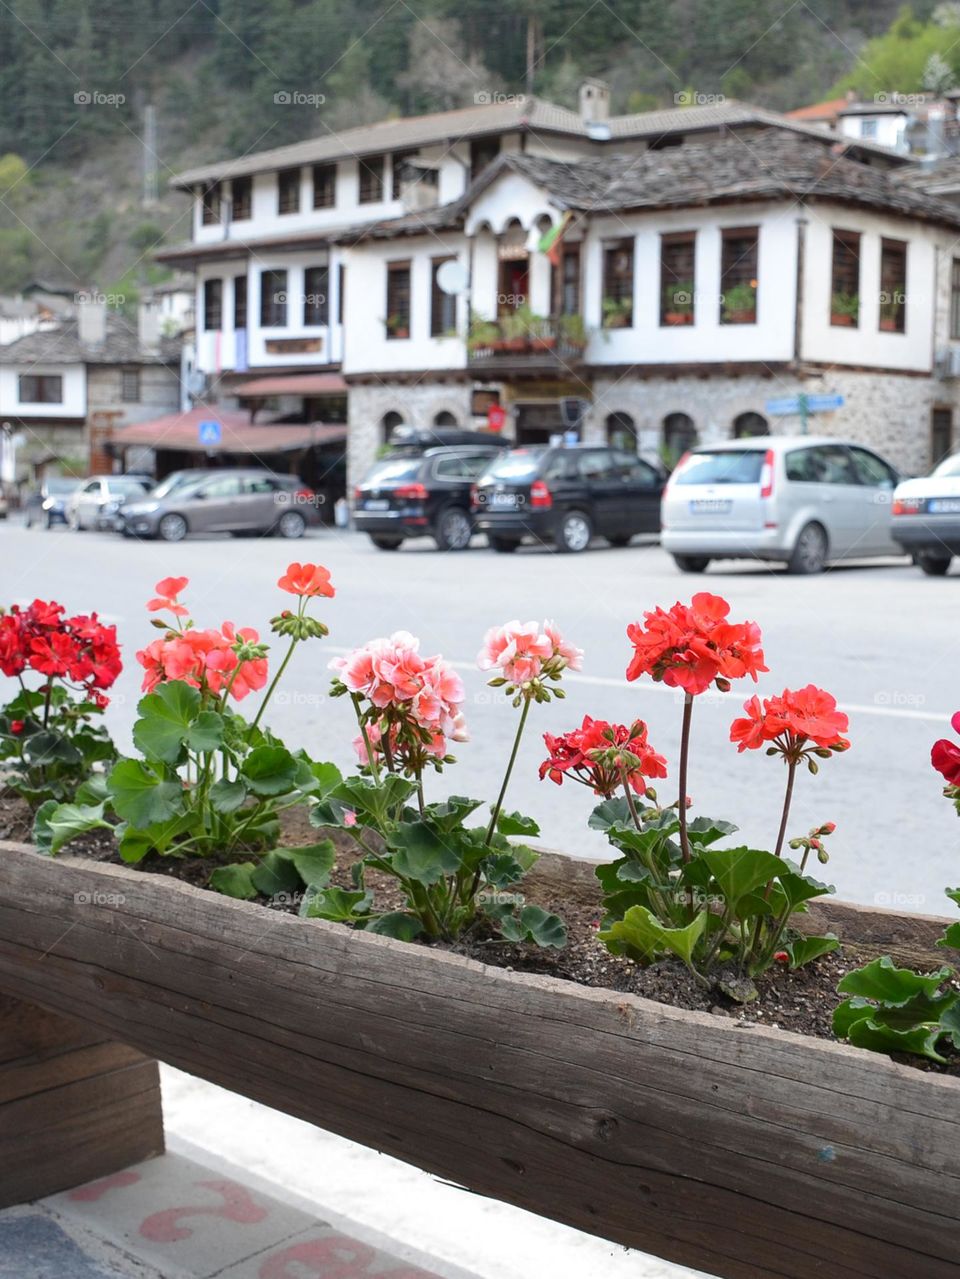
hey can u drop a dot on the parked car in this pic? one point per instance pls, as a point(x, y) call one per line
point(565, 495)
point(425, 495)
point(241, 500)
point(926, 517)
point(94, 503)
point(802, 500)
point(415, 439)
point(47, 503)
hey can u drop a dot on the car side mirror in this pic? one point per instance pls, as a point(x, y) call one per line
point(199, 494)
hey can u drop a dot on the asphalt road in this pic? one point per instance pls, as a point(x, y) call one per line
point(882, 638)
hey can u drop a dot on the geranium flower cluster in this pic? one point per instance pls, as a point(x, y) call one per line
point(603, 756)
point(524, 655)
point(415, 702)
point(230, 658)
point(799, 722)
point(691, 646)
point(80, 650)
point(945, 755)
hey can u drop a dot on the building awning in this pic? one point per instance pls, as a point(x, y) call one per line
point(292, 384)
point(182, 432)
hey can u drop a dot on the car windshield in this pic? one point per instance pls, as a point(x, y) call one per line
point(392, 469)
point(949, 466)
point(124, 484)
point(726, 466)
point(520, 465)
point(173, 481)
point(57, 487)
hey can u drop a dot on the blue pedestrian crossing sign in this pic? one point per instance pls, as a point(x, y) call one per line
point(209, 432)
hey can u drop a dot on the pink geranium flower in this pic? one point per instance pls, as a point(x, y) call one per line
point(521, 652)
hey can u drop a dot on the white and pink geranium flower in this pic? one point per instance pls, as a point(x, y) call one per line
point(522, 652)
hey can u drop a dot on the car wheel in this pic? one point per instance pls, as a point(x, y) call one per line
point(621, 539)
point(502, 545)
point(454, 529)
point(385, 543)
point(291, 524)
point(934, 565)
point(691, 563)
point(810, 552)
point(172, 528)
point(574, 532)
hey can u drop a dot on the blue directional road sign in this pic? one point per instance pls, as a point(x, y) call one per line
point(209, 432)
point(804, 403)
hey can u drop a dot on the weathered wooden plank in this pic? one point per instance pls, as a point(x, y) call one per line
point(742, 1152)
point(73, 1104)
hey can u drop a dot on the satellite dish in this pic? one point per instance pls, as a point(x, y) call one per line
point(452, 277)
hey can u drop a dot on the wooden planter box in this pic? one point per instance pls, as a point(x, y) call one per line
point(745, 1152)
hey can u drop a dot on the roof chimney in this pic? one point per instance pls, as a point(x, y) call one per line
point(91, 318)
point(594, 101)
point(148, 324)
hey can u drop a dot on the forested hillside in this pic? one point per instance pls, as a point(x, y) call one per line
point(77, 78)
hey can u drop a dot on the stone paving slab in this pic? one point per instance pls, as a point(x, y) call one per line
point(175, 1218)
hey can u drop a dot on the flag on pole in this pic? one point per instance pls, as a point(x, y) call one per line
point(551, 239)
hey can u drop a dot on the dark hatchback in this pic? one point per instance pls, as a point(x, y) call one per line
point(425, 495)
point(566, 495)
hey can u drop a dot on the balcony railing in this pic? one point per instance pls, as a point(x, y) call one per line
point(528, 341)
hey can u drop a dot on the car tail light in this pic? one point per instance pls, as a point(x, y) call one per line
point(305, 495)
point(540, 495)
point(357, 493)
point(474, 495)
point(766, 475)
point(413, 492)
point(906, 505)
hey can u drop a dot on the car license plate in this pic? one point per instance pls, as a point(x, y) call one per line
point(944, 506)
point(376, 504)
point(710, 506)
point(503, 499)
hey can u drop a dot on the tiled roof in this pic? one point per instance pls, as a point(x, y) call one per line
point(62, 345)
point(528, 114)
point(773, 165)
point(818, 110)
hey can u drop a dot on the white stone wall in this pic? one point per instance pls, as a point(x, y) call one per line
point(418, 405)
point(889, 412)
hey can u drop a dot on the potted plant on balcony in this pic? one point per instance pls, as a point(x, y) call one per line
point(483, 335)
point(677, 306)
point(572, 331)
point(890, 310)
point(518, 328)
point(398, 326)
point(845, 310)
point(740, 304)
point(617, 313)
point(544, 335)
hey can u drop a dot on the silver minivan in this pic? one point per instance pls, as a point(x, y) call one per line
point(802, 500)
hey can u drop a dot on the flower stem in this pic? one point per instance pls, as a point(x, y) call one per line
point(275, 681)
point(506, 777)
point(684, 757)
point(781, 835)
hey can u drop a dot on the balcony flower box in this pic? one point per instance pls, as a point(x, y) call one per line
point(676, 319)
point(745, 1152)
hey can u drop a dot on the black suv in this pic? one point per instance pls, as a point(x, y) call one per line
point(565, 495)
point(422, 495)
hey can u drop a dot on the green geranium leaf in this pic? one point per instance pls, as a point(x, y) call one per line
point(950, 1023)
point(953, 894)
point(951, 937)
point(226, 797)
point(502, 871)
point(797, 888)
point(534, 924)
point(313, 862)
point(802, 950)
point(49, 747)
point(612, 812)
point(921, 1040)
point(56, 824)
point(638, 934)
point(161, 837)
point(921, 1009)
point(398, 924)
point(451, 813)
point(235, 880)
point(166, 716)
point(134, 844)
point(851, 1010)
point(275, 874)
point(93, 790)
point(269, 770)
point(516, 824)
point(141, 796)
point(739, 871)
point(704, 831)
point(315, 778)
point(884, 981)
point(419, 853)
point(342, 905)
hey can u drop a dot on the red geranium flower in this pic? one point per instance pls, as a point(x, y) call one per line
point(168, 588)
point(793, 720)
point(692, 646)
point(601, 755)
point(79, 650)
point(945, 755)
point(307, 579)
